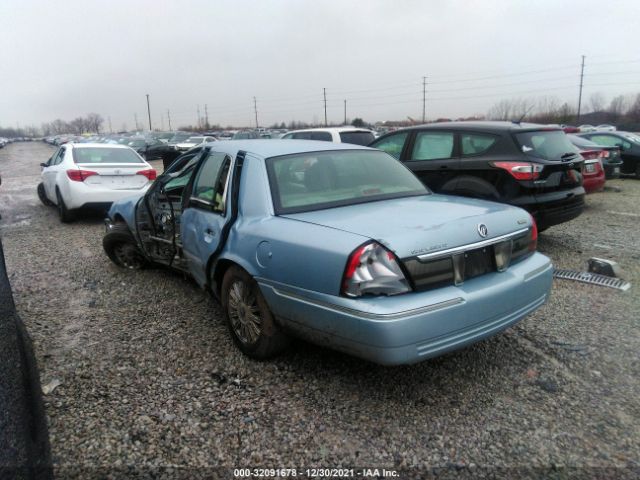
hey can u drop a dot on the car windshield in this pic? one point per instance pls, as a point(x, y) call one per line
point(195, 140)
point(358, 138)
point(105, 155)
point(318, 180)
point(545, 144)
point(137, 143)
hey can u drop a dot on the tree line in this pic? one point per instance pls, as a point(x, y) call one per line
point(622, 110)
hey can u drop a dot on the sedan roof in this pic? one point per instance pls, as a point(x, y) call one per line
point(274, 148)
point(487, 126)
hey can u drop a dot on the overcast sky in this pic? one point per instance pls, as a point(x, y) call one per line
point(63, 59)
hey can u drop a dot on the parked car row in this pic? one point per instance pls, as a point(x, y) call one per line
point(420, 243)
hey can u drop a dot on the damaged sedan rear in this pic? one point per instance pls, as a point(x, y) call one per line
point(338, 244)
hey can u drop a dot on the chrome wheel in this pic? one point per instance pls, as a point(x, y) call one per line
point(244, 313)
point(128, 256)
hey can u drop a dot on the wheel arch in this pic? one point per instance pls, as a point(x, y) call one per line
point(471, 186)
point(217, 267)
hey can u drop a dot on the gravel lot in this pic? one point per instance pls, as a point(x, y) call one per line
point(149, 376)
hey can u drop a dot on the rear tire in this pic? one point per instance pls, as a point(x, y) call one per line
point(121, 248)
point(66, 215)
point(42, 195)
point(248, 317)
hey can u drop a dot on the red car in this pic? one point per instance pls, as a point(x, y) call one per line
point(592, 170)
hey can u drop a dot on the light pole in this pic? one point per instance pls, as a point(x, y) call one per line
point(149, 112)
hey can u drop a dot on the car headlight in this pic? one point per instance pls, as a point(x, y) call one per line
point(373, 270)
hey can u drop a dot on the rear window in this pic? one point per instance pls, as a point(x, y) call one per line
point(547, 144)
point(582, 142)
point(320, 136)
point(476, 143)
point(357, 138)
point(318, 180)
point(105, 155)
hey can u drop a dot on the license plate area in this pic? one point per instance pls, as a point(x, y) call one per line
point(589, 168)
point(478, 262)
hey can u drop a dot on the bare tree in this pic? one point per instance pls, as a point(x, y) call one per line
point(617, 107)
point(597, 101)
point(78, 125)
point(501, 110)
point(633, 112)
point(566, 113)
point(94, 122)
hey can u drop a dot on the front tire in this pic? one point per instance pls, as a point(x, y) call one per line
point(248, 317)
point(66, 215)
point(42, 195)
point(121, 248)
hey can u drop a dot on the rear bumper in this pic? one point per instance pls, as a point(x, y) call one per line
point(612, 169)
point(553, 208)
point(79, 195)
point(594, 183)
point(413, 327)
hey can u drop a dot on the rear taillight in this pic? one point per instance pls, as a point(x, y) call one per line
point(533, 243)
point(374, 270)
point(150, 173)
point(521, 170)
point(604, 154)
point(80, 175)
point(590, 154)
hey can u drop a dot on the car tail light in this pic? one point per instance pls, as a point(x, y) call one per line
point(150, 173)
point(533, 243)
point(374, 270)
point(80, 175)
point(604, 154)
point(521, 170)
point(590, 154)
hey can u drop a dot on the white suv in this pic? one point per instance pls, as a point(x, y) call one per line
point(358, 136)
point(92, 175)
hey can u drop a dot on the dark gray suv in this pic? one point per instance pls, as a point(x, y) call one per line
point(527, 165)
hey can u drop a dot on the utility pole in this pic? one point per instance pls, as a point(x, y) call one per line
point(255, 110)
point(198, 116)
point(424, 97)
point(169, 117)
point(580, 93)
point(135, 117)
point(206, 117)
point(149, 112)
point(162, 122)
point(345, 112)
point(324, 92)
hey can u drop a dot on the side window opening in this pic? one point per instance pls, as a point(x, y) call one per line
point(392, 145)
point(476, 143)
point(432, 146)
point(209, 189)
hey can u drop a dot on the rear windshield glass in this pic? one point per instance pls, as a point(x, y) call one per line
point(582, 142)
point(548, 145)
point(105, 155)
point(320, 136)
point(317, 180)
point(358, 138)
point(195, 140)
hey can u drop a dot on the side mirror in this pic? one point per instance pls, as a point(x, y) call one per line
point(44, 165)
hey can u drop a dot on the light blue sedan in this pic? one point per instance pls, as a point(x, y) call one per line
point(339, 244)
